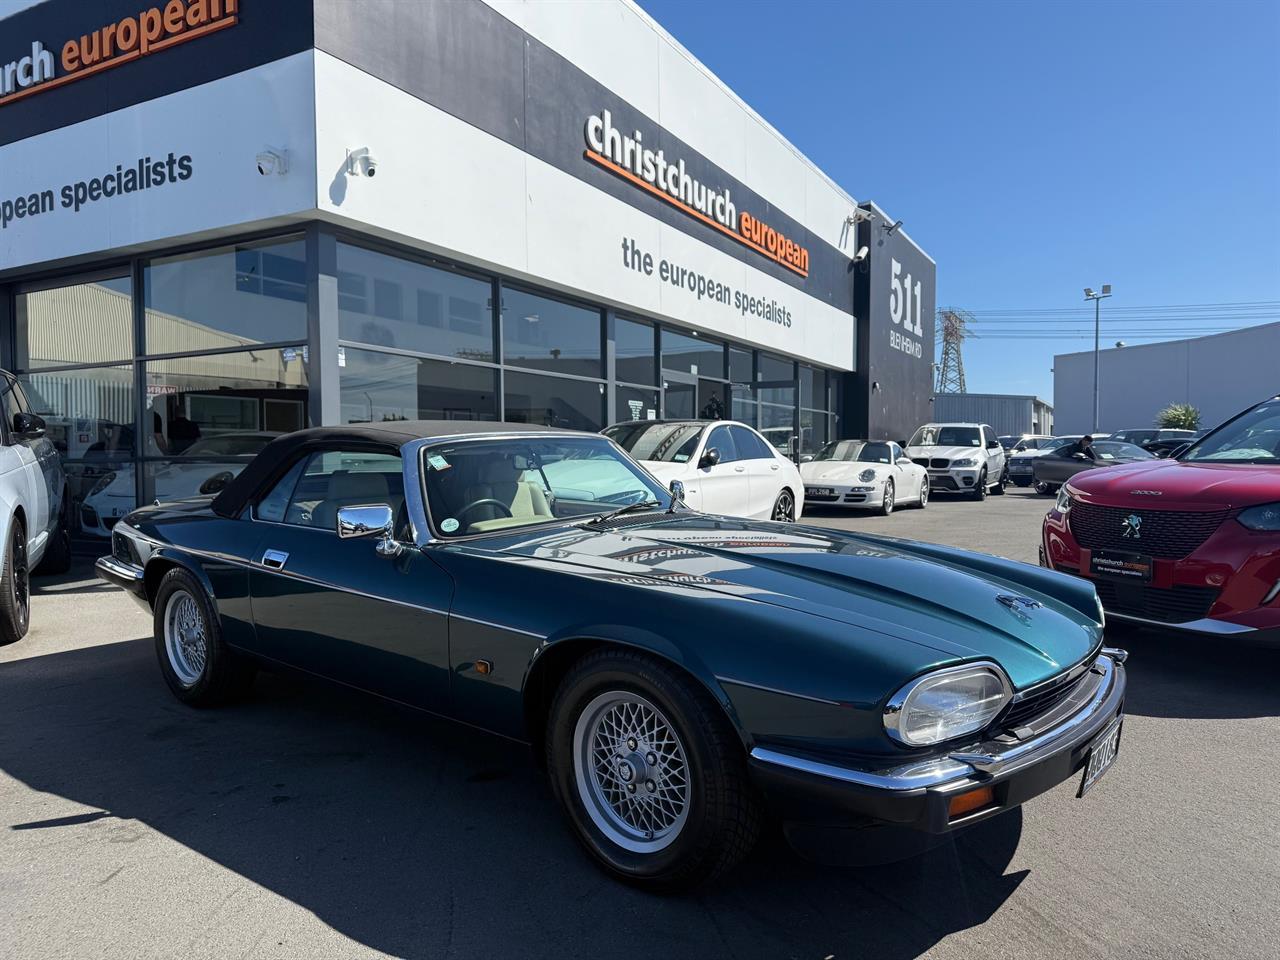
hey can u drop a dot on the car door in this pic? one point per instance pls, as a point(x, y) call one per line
point(995, 453)
point(1056, 466)
point(764, 471)
point(726, 485)
point(23, 463)
point(335, 606)
point(906, 475)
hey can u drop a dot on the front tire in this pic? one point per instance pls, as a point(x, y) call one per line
point(198, 667)
point(886, 502)
point(924, 494)
point(998, 489)
point(15, 586)
point(784, 508)
point(980, 488)
point(649, 772)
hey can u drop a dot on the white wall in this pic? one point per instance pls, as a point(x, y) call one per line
point(1220, 375)
point(222, 125)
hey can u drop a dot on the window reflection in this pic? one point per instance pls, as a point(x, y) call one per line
point(88, 412)
point(550, 334)
point(688, 354)
point(635, 348)
point(77, 323)
point(377, 387)
point(554, 401)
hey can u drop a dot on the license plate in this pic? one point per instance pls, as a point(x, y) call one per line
point(1018, 468)
point(1134, 567)
point(819, 491)
point(1102, 754)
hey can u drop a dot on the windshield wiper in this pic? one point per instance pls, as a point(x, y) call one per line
point(629, 508)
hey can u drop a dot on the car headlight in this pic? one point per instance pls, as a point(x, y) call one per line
point(1064, 501)
point(946, 704)
point(866, 476)
point(966, 462)
point(104, 481)
point(1264, 517)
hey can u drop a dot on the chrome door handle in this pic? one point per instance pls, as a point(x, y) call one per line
point(274, 559)
point(773, 466)
point(739, 469)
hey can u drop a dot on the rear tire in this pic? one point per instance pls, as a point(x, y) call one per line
point(198, 667)
point(784, 508)
point(15, 586)
point(57, 554)
point(1045, 489)
point(649, 772)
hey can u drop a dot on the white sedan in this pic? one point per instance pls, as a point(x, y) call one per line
point(865, 474)
point(726, 467)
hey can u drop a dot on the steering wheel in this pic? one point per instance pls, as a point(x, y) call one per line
point(486, 502)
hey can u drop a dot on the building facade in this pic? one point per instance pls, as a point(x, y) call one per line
point(1010, 415)
point(226, 219)
point(1220, 375)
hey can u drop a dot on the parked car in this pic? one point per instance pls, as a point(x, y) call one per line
point(1171, 446)
point(33, 515)
point(1019, 469)
point(1025, 441)
point(726, 467)
point(960, 457)
point(1142, 436)
point(1058, 466)
point(115, 493)
point(681, 674)
point(866, 474)
point(1192, 543)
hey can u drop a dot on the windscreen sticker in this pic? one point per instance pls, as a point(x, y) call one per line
point(438, 462)
point(449, 525)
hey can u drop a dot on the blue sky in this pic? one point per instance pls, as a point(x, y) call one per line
point(1034, 149)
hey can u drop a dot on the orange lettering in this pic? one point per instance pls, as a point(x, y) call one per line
point(152, 27)
point(174, 12)
point(197, 13)
point(70, 56)
point(108, 38)
point(127, 34)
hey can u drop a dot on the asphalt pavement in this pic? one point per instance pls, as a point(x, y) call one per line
point(313, 822)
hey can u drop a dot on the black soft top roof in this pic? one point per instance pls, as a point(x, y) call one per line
point(276, 456)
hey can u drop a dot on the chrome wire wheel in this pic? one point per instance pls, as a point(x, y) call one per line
point(785, 507)
point(631, 771)
point(186, 640)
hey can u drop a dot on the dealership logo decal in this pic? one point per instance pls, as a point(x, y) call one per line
point(1132, 527)
point(150, 31)
point(652, 171)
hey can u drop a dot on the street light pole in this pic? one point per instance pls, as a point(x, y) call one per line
point(1097, 299)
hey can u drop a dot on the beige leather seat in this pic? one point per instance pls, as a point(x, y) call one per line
point(353, 488)
point(501, 481)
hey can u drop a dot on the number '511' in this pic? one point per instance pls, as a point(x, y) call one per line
point(900, 301)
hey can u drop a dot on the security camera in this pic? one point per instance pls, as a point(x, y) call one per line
point(361, 163)
point(272, 160)
point(888, 230)
point(862, 254)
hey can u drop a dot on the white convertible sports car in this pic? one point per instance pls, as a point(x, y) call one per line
point(865, 474)
point(725, 466)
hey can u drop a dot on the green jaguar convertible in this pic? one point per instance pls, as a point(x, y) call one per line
point(679, 674)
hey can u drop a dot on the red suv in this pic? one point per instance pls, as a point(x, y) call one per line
point(1191, 543)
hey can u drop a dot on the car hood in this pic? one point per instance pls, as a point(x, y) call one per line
point(838, 471)
point(945, 601)
point(665, 470)
point(951, 453)
point(1166, 484)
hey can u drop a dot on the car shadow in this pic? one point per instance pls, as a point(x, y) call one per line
point(421, 838)
point(1177, 675)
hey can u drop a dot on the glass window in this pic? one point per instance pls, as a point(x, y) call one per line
point(777, 424)
point(377, 387)
point(776, 368)
point(474, 486)
point(392, 302)
point(635, 346)
point(1252, 437)
point(750, 445)
point(740, 365)
point(167, 480)
point(76, 323)
point(661, 442)
point(272, 507)
point(636, 403)
point(813, 430)
point(549, 334)
point(690, 354)
point(88, 412)
point(554, 401)
point(102, 491)
point(228, 297)
point(253, 394)
point(341, 478)
point(722, 440)
point(934, 436)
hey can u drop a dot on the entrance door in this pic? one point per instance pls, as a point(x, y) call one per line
point(770, 407)
point(679, 396)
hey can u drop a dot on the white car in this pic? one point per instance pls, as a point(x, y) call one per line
point(115, 493)
point(960, 457)
point(726, 467)
point(33, 494)
point(866, 474)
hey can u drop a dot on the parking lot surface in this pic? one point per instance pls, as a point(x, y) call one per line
point(313, 822)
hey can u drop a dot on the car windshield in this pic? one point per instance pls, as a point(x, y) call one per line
point(1057, 442)
point(1253, 437)
point(856, 450)
point(935, 436)
point(1008, 442)
point(1115, 450)
point(477, 486)
point(663, 442)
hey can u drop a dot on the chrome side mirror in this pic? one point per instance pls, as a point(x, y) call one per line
point(677, 490)
point(369, 520)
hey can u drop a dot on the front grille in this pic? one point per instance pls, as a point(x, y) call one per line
point(939, 463)
point(1043, 700)
point(821, 497)
point(1169, 534)
point(944, 483)
point(923, 461)
point(1172, 605)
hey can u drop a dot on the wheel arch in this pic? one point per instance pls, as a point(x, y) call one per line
point(161, 562)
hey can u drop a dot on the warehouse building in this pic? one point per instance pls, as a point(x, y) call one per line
point(1220, 375)
point(225, 218)
point(1011, 415)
